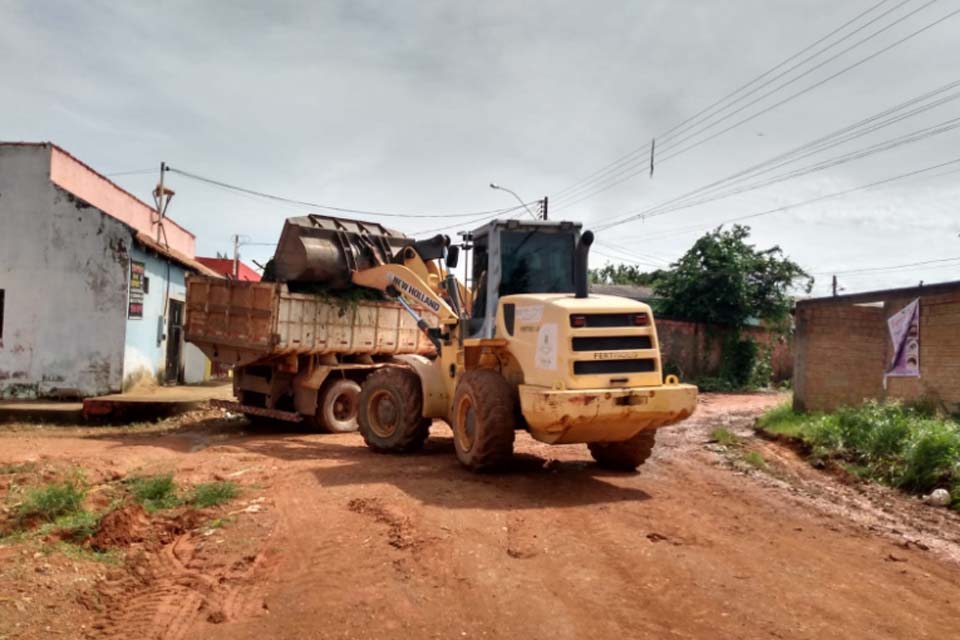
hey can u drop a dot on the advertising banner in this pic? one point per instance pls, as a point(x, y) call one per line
point(905, 333)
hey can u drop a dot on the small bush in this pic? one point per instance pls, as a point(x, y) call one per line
point(724, 437)
point(155, 492)
point(77, 526)
point(212, 494)
point(51, 501)
point(785, 421)
point(906, 446)
point(756, 460)
point(932, 459)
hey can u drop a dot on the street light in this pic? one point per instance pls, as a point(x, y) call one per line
point(494, 185)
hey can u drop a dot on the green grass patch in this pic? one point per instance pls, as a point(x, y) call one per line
point(783, 420)
point(49, 502)
point(78, 552)
point(77, 526)
point(156, 492)
point(211, 494)
point(754, 459)
point(725, 437)
point(906, 446)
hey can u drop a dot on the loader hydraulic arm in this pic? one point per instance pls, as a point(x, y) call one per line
point(402, 283)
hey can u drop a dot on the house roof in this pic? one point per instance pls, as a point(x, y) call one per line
point(633, 292)
point(224, 266)
point(193, 264)
point(82, 181)
point(875, 296)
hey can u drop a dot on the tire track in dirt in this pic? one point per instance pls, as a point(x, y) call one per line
point(169, 593)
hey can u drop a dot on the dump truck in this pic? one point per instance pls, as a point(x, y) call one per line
point(520, 345)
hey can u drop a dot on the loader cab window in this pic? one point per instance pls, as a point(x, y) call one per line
point(536, 261)
point(478, 285)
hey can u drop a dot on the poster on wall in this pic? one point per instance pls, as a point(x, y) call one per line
point(905, 333)
point(135, 302)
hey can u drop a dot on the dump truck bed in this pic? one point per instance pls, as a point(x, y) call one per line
point(237, 323)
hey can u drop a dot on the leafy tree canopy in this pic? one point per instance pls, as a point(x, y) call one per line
point(624, 274)
point(723, 279)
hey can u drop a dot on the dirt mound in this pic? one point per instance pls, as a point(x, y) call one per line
point(122, 527)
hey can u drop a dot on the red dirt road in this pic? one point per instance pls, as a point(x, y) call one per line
point(329, 540)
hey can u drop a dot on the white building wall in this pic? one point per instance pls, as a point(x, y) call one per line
point(63, 270)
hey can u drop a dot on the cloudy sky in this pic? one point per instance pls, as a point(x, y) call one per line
point(415, 107)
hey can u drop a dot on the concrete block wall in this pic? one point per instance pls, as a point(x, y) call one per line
point(696, 350)
point(843, 348)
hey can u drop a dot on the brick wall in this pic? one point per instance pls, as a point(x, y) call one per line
point(696, 350)
point(843, 348)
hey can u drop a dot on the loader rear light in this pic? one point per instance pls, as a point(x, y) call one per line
point(578, 321)
point(641, 319)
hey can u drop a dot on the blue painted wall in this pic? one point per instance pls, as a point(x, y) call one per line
point(145, 352)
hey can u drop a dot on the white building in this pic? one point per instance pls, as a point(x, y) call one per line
point(91, 288)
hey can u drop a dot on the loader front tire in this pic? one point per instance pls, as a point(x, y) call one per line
point(390, 411)
point(624, 456)
point(484, 419)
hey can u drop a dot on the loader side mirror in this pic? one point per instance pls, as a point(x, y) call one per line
point(453, 256)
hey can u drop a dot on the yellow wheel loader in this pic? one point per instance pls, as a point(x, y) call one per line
point(523, 347)
point(526, 347)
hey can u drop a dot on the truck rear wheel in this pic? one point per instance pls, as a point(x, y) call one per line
point(338, 406)
point(390, 411)
point(624, 456)
point(484, 418)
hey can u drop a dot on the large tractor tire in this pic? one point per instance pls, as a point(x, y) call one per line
point(624, 456)
point(484, 419)
point(390, 411)
point(338, 405)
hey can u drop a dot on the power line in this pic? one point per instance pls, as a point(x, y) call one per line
point(807, 72)
point(841, 136)
point(644, 150)
point(132, 172)
point(817, 84)
point(617, 179)
point(892, 143)
point(845, 134)
point(829, 196)
point(315, 205)
point(894, 267)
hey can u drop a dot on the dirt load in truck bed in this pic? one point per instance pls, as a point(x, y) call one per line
point(328, 540)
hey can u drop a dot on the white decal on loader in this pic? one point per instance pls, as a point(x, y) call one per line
point(530, 314)
point(415, 293)
point(546, 355)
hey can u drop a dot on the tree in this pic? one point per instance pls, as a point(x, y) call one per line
point(623, 274)
point(724, 280)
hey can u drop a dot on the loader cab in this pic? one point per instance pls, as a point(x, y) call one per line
point(510, 257)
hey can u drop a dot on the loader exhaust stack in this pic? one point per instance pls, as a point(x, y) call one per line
point(580, 279)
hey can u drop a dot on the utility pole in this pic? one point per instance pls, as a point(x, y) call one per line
point(161, 198)
point(546, 205)
point(834, 286)
point(236, 256)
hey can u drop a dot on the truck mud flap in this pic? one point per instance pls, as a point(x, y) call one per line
point(276, 414)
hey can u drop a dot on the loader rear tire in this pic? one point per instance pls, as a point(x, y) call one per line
point(484, 419)
point(624, 456)
point(390, 411)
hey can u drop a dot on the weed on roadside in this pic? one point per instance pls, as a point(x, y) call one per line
point(212, 494)
point(48, 502)
point(155, 492)
point(906, 446)
point(755, 460)
point(724, 437)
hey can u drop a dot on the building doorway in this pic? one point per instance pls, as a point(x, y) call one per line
point(174, 372)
